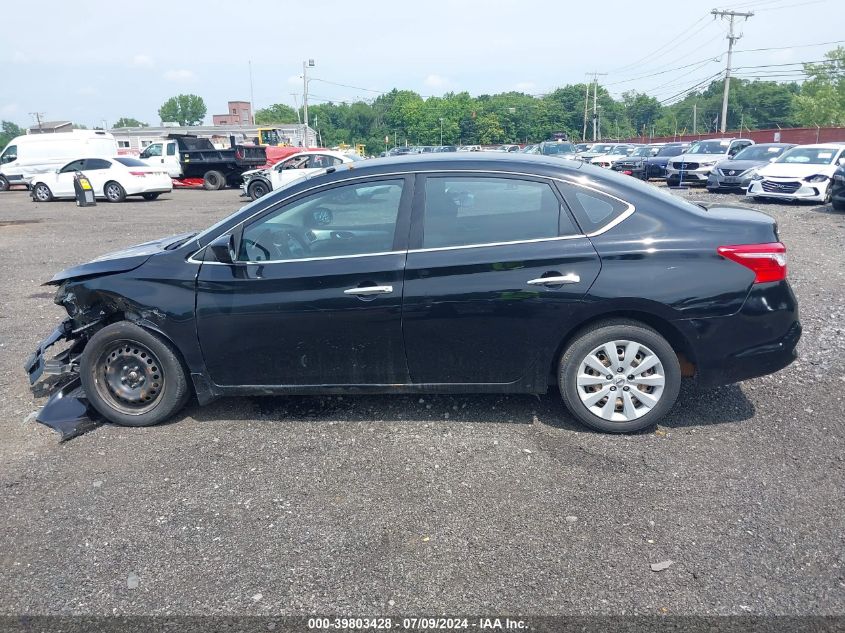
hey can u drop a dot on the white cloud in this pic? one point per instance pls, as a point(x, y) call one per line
point(436, 81)
point(525, 86)
point(179, 75)
point(143, 61)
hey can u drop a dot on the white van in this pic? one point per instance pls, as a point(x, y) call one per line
point(27, 156)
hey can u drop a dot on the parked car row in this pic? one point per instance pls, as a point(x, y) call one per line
point(766, 170)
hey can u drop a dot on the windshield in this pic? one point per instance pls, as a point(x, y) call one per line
point(644, 151)
point(625, 150)
point(601, 149)
point(710, 147)
point(199, 239)
point(809, 156)
point(671, 150)
point(760, 152)
point(557, 148)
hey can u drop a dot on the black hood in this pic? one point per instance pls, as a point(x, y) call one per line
point(119, 261)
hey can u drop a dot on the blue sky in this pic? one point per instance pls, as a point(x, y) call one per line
point(95, 60)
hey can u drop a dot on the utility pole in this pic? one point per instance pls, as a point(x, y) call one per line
point(586, 105)
point(595, 107)
point(305, 67)
point(37, 116)
point(251, 96)
point(695, 119)
point(731, 39)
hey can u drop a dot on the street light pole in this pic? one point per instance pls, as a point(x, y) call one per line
point(305, 67)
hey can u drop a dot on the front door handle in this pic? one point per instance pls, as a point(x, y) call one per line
point(557, 280)
point(367, 291)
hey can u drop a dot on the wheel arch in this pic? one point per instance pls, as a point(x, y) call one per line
point(676, 339)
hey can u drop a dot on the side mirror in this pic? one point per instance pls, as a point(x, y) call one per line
point(222, 250)
point(841, 161)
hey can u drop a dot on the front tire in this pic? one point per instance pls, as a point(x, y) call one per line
point(131, 376)
point(114, 192)
point(258, 189)
point(619, 376)
point(42, 193)
point(4, 183)
point(838, 205)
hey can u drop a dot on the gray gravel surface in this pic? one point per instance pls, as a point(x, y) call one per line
point(420, 505)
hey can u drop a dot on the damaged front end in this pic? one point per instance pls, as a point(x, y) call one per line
point(66, 410)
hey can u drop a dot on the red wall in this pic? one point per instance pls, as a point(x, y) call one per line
point(800, 135)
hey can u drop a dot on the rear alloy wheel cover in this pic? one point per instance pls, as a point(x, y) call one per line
point(620, 381)
point(113, 192)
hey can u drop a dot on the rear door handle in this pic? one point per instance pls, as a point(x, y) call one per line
point(367, 291)
point(557, 280)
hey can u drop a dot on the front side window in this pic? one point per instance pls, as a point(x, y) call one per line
point(11, 154)
point(356, 219)
point(152, 150)
point(466, 210)
point(72, 166)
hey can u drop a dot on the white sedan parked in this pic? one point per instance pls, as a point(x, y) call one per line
point(801, 173)
point(111, 178)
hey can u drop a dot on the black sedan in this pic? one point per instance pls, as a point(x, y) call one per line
point(437, 273)
point(837, 189)
point(736, 172)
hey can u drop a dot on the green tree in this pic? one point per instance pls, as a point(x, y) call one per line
point(8, 131)
point(183, 109)
point(276, 113)
point(822, 98)
point(129, 122)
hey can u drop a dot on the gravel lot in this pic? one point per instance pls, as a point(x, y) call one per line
point(409, 505)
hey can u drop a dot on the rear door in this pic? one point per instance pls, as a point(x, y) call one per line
point(496, 268)
point(98, 172)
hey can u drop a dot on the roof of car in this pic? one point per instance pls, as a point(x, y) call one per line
point(511, 161)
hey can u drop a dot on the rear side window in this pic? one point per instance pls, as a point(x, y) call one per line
point(467, 210)
point(171, 149)
point(592, 209)
point(97, 163)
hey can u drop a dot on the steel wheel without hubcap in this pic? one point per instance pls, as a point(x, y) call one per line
point(621, 381)
point(129, 377)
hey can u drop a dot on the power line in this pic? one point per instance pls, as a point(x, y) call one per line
point(781, 48)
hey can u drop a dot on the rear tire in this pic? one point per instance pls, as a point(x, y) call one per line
point(42, 193)
point(150, 196)
point(213, 180)
point(114, 192)
point(838, 205)
point(640, 384)
point(131, 376)
point(4, 183)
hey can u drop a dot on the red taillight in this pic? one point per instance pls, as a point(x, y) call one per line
point(138, 173)
point(768, 261)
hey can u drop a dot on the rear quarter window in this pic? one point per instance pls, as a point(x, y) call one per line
point(593, 209)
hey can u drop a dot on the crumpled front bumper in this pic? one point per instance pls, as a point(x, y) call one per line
point(66, 411)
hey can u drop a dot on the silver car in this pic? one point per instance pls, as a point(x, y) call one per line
point(736, 172)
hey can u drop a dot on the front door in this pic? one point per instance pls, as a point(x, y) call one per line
point(495, 268)
point(64, 179)
point(316, 295)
